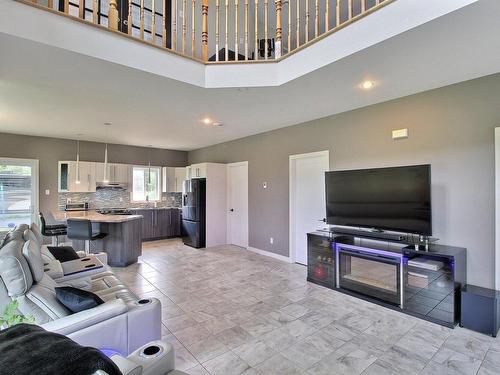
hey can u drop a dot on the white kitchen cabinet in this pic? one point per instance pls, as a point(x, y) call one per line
point(199, 170)
point(67, 177)
point(172, 179)
point(116, 173)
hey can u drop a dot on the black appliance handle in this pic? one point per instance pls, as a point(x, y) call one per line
point(378, 258)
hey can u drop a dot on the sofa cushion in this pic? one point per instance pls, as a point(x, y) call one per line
point(63, 253)
point(36, 231)
point(14, 269)
point(31, 252)
point(77, 300)
point(28, 235)
point(43, 295)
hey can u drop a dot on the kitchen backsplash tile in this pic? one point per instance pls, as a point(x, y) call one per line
point(114, 198)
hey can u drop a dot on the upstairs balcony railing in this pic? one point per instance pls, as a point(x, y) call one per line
point(220, 30)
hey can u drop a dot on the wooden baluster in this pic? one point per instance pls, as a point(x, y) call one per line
point(129, 18)
point(95, 9)
point(113, 15)
point(193, 29)
point(226, 34)
point(142, 20)
point(297, 26)
point(327, 15)
point(217, 27)
point(81, 8)
point(363, 6)
point(308, 14)
point(349, 9)
point(289, 35)
point(256, 29)
point(279, 30)
point(246, 29)
point(236, 44)
point(66, 6)
point(174, 24)
point(266, 22)
point(378, 2)
point(316, 18)
point(50, 4)
point(204, 30)
point(153, 22)
point(337, 14)
point(184, 27)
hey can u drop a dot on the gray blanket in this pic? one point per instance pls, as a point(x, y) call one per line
point(29, 349)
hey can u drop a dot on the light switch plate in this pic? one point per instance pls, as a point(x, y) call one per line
point(400, 134)
point(264, 185)
point(47, 192)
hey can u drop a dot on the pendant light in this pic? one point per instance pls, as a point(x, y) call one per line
point(77, 181)
point(105, 180)
point(149, 166)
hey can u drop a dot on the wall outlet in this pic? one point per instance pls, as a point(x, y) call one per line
point(264, 185)
point(47, 192)
point(271, 240)
point(121, 199)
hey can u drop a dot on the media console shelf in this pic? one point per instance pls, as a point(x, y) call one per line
point(421, 281)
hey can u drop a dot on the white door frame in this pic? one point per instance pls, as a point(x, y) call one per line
point(292, 195)
point(228, 187)
point(35, 178)
point(497, 208)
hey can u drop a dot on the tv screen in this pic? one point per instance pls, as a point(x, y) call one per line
point(396, 199)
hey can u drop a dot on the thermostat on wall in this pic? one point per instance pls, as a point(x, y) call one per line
point(400, 133)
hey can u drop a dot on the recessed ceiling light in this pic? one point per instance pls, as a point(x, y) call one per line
point(207, 121)
point(107, 123)
point(367, 85)
point(217, 123)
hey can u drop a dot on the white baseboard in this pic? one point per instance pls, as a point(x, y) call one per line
point(271, 255)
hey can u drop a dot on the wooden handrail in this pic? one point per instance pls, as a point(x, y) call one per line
point(200, 29)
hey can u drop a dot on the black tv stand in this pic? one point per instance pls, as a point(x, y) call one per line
point(373, 234)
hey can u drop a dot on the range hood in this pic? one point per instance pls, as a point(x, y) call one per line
point(112, 185)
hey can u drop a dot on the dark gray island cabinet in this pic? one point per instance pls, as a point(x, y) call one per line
point(159, 223)
point(123, 241)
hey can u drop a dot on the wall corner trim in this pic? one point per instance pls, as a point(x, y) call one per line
point(270, 254)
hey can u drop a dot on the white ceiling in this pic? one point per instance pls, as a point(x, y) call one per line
point(49, 91)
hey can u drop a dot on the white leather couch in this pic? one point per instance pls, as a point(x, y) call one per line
point(123, 323)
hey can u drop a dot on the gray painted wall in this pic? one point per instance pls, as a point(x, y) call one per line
point(452, 128)
point(50, 150)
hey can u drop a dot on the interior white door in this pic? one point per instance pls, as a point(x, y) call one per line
point(307, 199)
point(237, 203)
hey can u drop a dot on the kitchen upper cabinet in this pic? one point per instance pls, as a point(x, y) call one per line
point(68, 179)
point(197, 171)
point(173, 179)
point(115, 172)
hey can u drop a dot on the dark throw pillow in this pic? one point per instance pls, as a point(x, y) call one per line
point(63, 253)
point(77, 300)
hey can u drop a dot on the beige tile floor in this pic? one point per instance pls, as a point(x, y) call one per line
point(228, 311)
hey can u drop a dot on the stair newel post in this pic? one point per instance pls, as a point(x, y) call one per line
point(279, 30)
point(113, 15)
point(204, 30)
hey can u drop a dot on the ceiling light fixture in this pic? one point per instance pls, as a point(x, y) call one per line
point(105, 179)
point(207, 120)
point(367, 85)
point(217, 123)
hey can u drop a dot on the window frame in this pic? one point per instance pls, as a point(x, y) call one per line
point(158, 184)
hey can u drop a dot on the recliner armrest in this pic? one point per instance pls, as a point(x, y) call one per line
point(78, 321)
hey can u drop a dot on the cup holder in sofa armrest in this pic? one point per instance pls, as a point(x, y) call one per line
point(90, 265)
point(85, 259)
point(144, 301)
point(151, 351)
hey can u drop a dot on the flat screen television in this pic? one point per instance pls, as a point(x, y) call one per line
point(395, 199)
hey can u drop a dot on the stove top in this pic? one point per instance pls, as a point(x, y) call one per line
point(115, 211)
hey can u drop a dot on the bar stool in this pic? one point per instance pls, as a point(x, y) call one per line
point(81, 229)
point(53, 231)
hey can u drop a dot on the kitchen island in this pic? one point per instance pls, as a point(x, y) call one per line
point(123, 242)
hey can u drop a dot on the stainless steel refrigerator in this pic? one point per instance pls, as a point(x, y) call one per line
point(193, 212)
